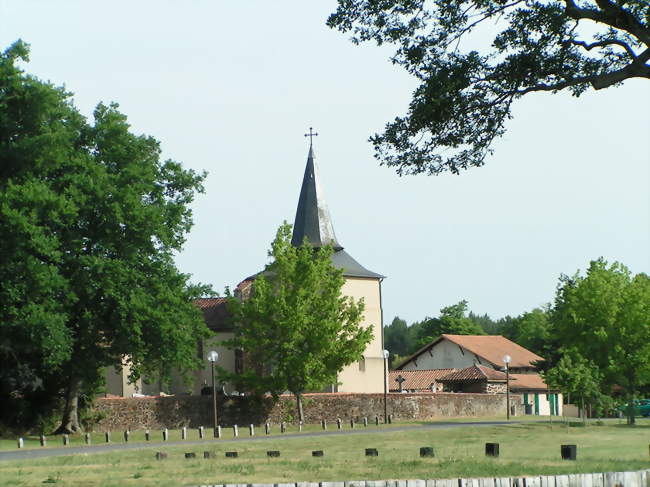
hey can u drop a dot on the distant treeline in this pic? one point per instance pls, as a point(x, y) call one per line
point(531, 330)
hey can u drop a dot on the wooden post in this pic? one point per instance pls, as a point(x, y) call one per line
point(126, 436)
point(283, 427)
point(87, 438)
point(66, 440)
point(107, 437)
point(147, 435)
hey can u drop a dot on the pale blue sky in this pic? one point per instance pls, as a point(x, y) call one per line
point(232, 86)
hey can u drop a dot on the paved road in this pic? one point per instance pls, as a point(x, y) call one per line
point(29, 454)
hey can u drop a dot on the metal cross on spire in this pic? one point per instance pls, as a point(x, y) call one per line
point(311, 135)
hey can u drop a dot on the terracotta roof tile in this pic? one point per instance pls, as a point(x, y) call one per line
point(215, 313)
point(490, 348)
point(474, 373)
point(527, 382)
point(493, 347)
point(418, 380)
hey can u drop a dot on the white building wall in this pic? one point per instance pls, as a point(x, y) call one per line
point(445, 355)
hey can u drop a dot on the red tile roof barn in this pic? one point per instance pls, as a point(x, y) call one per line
point(494, 347)
point(524, 382)
point(474, 373)
point(490, 348)
point(416, 380)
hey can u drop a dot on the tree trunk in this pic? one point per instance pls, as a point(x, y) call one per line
point(630, 410)
point(70, 420)
point(301, 416)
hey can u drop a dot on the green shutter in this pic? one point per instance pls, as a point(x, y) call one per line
point(525, 398)
point(537, 403)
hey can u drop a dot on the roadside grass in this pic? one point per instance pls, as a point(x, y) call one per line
point(526, 449)
point(156, 436)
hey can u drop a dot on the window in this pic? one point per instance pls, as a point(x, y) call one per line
point(362, 364)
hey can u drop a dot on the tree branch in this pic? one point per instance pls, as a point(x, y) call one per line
point(608, 42)
point(611, 15)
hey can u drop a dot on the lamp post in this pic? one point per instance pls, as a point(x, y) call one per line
point(506, 360)
point(213, 356)
point(386, 354)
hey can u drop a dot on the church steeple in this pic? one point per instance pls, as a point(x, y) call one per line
point(312, 216)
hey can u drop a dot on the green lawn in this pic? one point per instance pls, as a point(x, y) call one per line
point(526, 449)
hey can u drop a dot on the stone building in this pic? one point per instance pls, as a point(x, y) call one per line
point(479, 364)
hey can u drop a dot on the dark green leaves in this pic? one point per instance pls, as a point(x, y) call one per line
point(465, 95)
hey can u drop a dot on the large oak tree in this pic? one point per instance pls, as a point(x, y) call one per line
point(90, 218)
point(465, 95)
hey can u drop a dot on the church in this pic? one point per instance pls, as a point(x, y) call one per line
point(313, 222)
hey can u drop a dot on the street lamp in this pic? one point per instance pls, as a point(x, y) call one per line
point(213, 356)
point(386, 354)
point(506, 360)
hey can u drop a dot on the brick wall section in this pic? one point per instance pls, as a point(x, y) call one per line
point(193, 411)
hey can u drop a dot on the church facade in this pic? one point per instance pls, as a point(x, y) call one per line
point(312, 222)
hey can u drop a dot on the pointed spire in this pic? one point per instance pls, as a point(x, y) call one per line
point(312, 216)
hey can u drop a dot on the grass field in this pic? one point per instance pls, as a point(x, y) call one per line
point(528, 448)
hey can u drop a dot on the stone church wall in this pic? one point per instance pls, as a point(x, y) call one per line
point(193, 411)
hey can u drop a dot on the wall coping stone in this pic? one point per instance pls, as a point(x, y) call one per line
point(639, 478)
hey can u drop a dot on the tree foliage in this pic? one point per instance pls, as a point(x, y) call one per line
point(465, 94)
point(296, 329)
point(90, 218)
point(453, 320)
point(604, 317)
point(580, 378)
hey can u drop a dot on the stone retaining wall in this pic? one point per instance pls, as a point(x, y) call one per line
point(193, 411)
point(608, 479)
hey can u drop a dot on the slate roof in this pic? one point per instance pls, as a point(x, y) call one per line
point(474, 373)
point(490, 348)
point(419, 380)
point(313, 219)
point(215, 313)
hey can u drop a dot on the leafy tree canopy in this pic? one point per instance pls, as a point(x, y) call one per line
point(465, 94)
point(296, 329)
point(453, 320)
point(90, 218)
point(604, 317)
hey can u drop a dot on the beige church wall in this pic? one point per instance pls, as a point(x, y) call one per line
point(368, 289)
point(226, 360)
point(117, 382)
point(370, 380)
point(370, 377)
point(445, 355)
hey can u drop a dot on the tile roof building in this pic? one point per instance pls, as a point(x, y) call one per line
point(478, 366)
